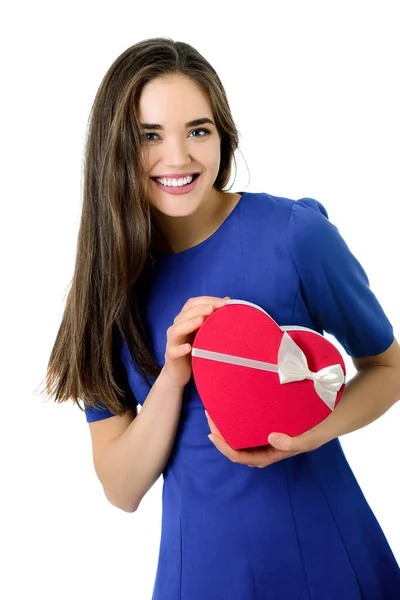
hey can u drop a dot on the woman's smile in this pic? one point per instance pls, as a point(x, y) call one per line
point(182, 185)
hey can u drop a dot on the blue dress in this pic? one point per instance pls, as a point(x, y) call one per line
point(301, 528)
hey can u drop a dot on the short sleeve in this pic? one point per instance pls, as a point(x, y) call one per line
point(334, 285)
point(97, 414)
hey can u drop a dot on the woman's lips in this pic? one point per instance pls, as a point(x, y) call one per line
point(169, 189)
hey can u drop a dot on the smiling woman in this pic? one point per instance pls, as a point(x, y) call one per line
point(162, 245)
point(167, 105)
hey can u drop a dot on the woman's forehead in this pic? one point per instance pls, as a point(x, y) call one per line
point(173, 99)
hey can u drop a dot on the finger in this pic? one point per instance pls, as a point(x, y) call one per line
point(274, 458)
point(286, 443)
point(224, 448)
point(173, 352)
point(200, 310)
point(204, 308)
point(203, 300)
point(213, 427)
point(280, 441)
point(177, 334)
point(250, 458)
point(264, 458)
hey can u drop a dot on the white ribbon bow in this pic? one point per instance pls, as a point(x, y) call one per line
point(292, 366)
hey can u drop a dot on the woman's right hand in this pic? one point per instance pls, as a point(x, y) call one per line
point(180, 336)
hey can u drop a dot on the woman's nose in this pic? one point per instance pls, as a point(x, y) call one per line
point(175, 153)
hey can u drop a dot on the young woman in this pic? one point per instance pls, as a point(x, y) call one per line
point(161, 246)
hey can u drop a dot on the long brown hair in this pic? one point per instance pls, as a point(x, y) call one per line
point(118, 243)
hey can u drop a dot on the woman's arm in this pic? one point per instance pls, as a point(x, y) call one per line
point(130, 452)
point(131, 463)
point(367, 396)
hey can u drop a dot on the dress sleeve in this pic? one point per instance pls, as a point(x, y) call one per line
point(334, 285)
point(96, 414)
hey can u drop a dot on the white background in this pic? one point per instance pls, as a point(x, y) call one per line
point(313, 87)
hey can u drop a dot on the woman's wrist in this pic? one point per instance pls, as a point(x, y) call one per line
point(165, 379)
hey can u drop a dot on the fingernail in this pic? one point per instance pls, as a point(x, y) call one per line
point(275, 439)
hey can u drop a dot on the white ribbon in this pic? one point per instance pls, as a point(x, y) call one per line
point(292, 366)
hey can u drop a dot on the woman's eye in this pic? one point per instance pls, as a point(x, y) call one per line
point(146, 139)
point(201, 133)
point(204, 132)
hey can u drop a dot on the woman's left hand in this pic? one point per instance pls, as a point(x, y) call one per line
point(281, 446)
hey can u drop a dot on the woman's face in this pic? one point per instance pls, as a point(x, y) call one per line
point(174, 146)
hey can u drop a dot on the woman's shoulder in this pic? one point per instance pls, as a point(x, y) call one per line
point(303, 210)
point(264, 199)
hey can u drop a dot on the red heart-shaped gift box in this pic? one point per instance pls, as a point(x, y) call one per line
point(255, 377)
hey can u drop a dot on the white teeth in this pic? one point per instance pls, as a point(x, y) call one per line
point(175, 182)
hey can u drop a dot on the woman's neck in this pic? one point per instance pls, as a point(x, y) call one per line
point(182, 233)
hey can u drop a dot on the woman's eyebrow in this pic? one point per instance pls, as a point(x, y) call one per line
point(189, 124)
